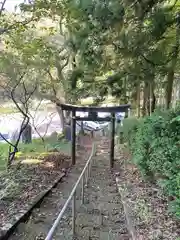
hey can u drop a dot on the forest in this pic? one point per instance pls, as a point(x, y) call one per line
point(76, 49)
point(64, 51)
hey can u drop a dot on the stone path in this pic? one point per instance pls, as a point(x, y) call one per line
point(101, 217)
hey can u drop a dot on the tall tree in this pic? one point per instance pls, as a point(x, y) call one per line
point(116, 47)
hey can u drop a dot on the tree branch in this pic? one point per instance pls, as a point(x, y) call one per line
point(14, 25)
point(2, 7)
point(24, 112)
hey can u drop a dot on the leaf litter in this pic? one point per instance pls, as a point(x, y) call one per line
point(146, 201)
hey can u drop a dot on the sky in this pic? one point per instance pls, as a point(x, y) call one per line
point(10, 4)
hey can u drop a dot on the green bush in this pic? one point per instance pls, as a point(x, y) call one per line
point(129, 124)
point(155, 147)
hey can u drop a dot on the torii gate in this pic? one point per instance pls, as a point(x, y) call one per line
point(93, 116)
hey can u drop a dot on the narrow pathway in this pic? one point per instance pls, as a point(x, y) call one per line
point(101, 217)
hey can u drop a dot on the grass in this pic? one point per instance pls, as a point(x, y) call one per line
point(3, 155)
point(8, 110)
point(36, 148)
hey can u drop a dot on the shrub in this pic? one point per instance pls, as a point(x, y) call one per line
point(155, 147)
point(129, 124)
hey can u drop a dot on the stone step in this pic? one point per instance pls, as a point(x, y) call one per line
point(90, 233)
point(101, 217)
point(100, 234)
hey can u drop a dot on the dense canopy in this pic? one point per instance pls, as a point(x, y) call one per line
point(78, 49)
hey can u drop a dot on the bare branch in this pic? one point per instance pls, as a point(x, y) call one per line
point(50, 75)
point(36, 126)
point(61, 67)
point(49, 97)
point(2, 6)
point(33, 122)
point(5, 139)
point(65, 64)
point(24, 112)
point(13, 93)
point(52, 80)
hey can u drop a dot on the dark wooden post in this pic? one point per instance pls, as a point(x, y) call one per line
point(112, 140)
point(73, 137)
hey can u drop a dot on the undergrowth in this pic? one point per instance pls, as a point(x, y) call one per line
point(154, 142)
point(33, 149)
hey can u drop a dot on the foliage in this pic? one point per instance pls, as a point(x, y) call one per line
point(129, 124)
point(155, 150)
point(132, 47)
point(34, 149)
point(117, 47)
point(7, 110)
point(3, 157)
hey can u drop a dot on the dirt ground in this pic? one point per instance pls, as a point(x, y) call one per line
point(20, 186)
point(148, 207)
point(101, 217)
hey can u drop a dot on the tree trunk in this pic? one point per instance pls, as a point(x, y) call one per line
point(138, 91)
point(146, 99)
point(152, 100)
point(169, 87)
point(170, 74)
point(153, 103)
point(144, 102)
point(61, 116)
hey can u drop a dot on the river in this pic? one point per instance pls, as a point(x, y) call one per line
point(45, 122)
